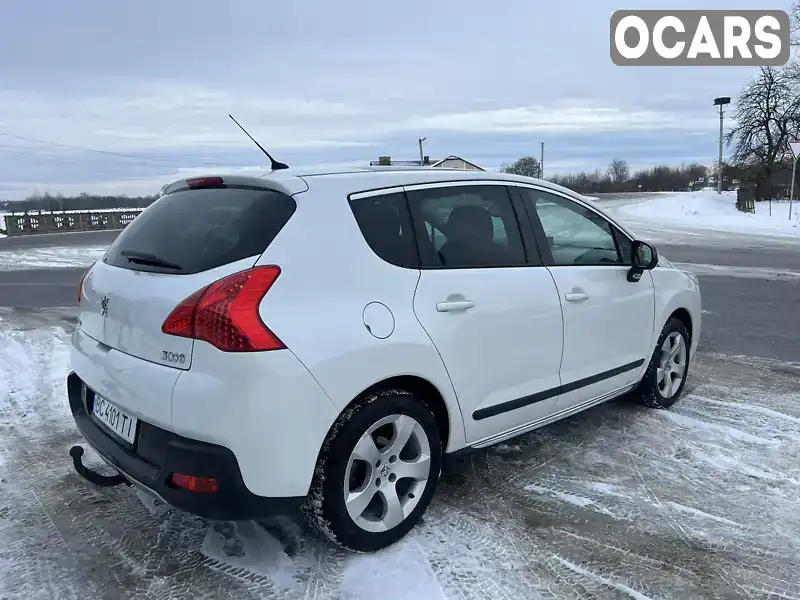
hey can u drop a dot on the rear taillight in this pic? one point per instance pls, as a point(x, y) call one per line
point(80, 284)
point(225, 313)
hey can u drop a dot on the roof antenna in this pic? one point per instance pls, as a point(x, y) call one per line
point(275, 164)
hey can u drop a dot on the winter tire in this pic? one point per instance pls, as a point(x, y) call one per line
point(665, 378)
point(376, 473)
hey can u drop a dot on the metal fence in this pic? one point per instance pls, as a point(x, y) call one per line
point(63, 222)
point(746, 199)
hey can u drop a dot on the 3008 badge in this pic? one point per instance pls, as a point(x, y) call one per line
point(173, 357)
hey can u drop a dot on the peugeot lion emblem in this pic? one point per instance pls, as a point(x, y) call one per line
point(104, 306)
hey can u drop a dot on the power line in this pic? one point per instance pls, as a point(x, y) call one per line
point(51, 158)
point(71, 160)
point(92, 150)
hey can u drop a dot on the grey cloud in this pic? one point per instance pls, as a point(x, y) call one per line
point(331, 82)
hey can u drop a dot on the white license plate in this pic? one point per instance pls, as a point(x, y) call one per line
point(119, 422)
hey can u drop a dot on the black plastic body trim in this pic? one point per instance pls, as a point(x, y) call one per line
point(158, 453)
point(499, 409)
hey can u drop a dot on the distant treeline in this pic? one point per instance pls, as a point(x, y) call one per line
point(49, 202)
point(618, 178)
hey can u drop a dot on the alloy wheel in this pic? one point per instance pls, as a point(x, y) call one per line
point(386, 473)
point(672, 365)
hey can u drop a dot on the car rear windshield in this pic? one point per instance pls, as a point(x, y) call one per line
point(190, 231)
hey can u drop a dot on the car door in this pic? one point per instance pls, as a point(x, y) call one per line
point(608, 321)
point(488, 305)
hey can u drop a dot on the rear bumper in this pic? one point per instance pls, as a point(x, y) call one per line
point(264, 407)
point(158, 453)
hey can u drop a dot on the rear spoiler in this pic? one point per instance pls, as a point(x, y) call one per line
point(289, 185)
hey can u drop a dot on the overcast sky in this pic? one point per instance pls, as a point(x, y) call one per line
point(333, 82)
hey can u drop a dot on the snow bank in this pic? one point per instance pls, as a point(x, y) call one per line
point(50, 257)
point(711, 211)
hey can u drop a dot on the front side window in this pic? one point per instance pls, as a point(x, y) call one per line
point(466, 226)
point(575, 235)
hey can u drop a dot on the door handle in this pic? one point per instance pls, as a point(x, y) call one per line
point(454, 305)
point(576, 297)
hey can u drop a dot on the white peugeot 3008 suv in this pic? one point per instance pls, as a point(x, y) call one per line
point(319, 340)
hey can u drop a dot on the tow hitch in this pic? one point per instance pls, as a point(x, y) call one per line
point(76, 452)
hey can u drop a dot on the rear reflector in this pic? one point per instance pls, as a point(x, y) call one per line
point(198, 485)
point(204, 182)
point(225, 313)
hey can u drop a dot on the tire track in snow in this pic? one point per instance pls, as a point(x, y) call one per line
point(485, 535)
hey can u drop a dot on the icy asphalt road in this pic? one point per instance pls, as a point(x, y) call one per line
point(619, 502)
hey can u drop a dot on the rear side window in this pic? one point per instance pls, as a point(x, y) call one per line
point(386, 226)
point(467, 226)
point(190, 231)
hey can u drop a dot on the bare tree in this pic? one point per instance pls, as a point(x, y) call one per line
point(767, 118)
point(656, 179)
point(618, 171)
point(526, 166)
point(696, 173)
point(793, 68)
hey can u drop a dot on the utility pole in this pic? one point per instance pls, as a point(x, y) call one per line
point(541, 164)
point(795, 148)
point(720, 102)
point(421, 153)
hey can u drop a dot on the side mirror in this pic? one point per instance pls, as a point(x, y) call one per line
point(644, 258)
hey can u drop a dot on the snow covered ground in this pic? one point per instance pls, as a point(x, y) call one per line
point(50, 257)
point(705, 215)
point(702, 501)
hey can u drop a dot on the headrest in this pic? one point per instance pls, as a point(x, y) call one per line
point(475, 219)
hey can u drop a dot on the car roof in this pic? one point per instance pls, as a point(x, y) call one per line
point(364, 178)
point(371, 176)
point(374, 177)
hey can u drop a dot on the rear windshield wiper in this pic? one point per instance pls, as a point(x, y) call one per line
point(143, 258)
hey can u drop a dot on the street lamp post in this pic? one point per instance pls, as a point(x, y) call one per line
point(722, 101)
point(421, 152)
